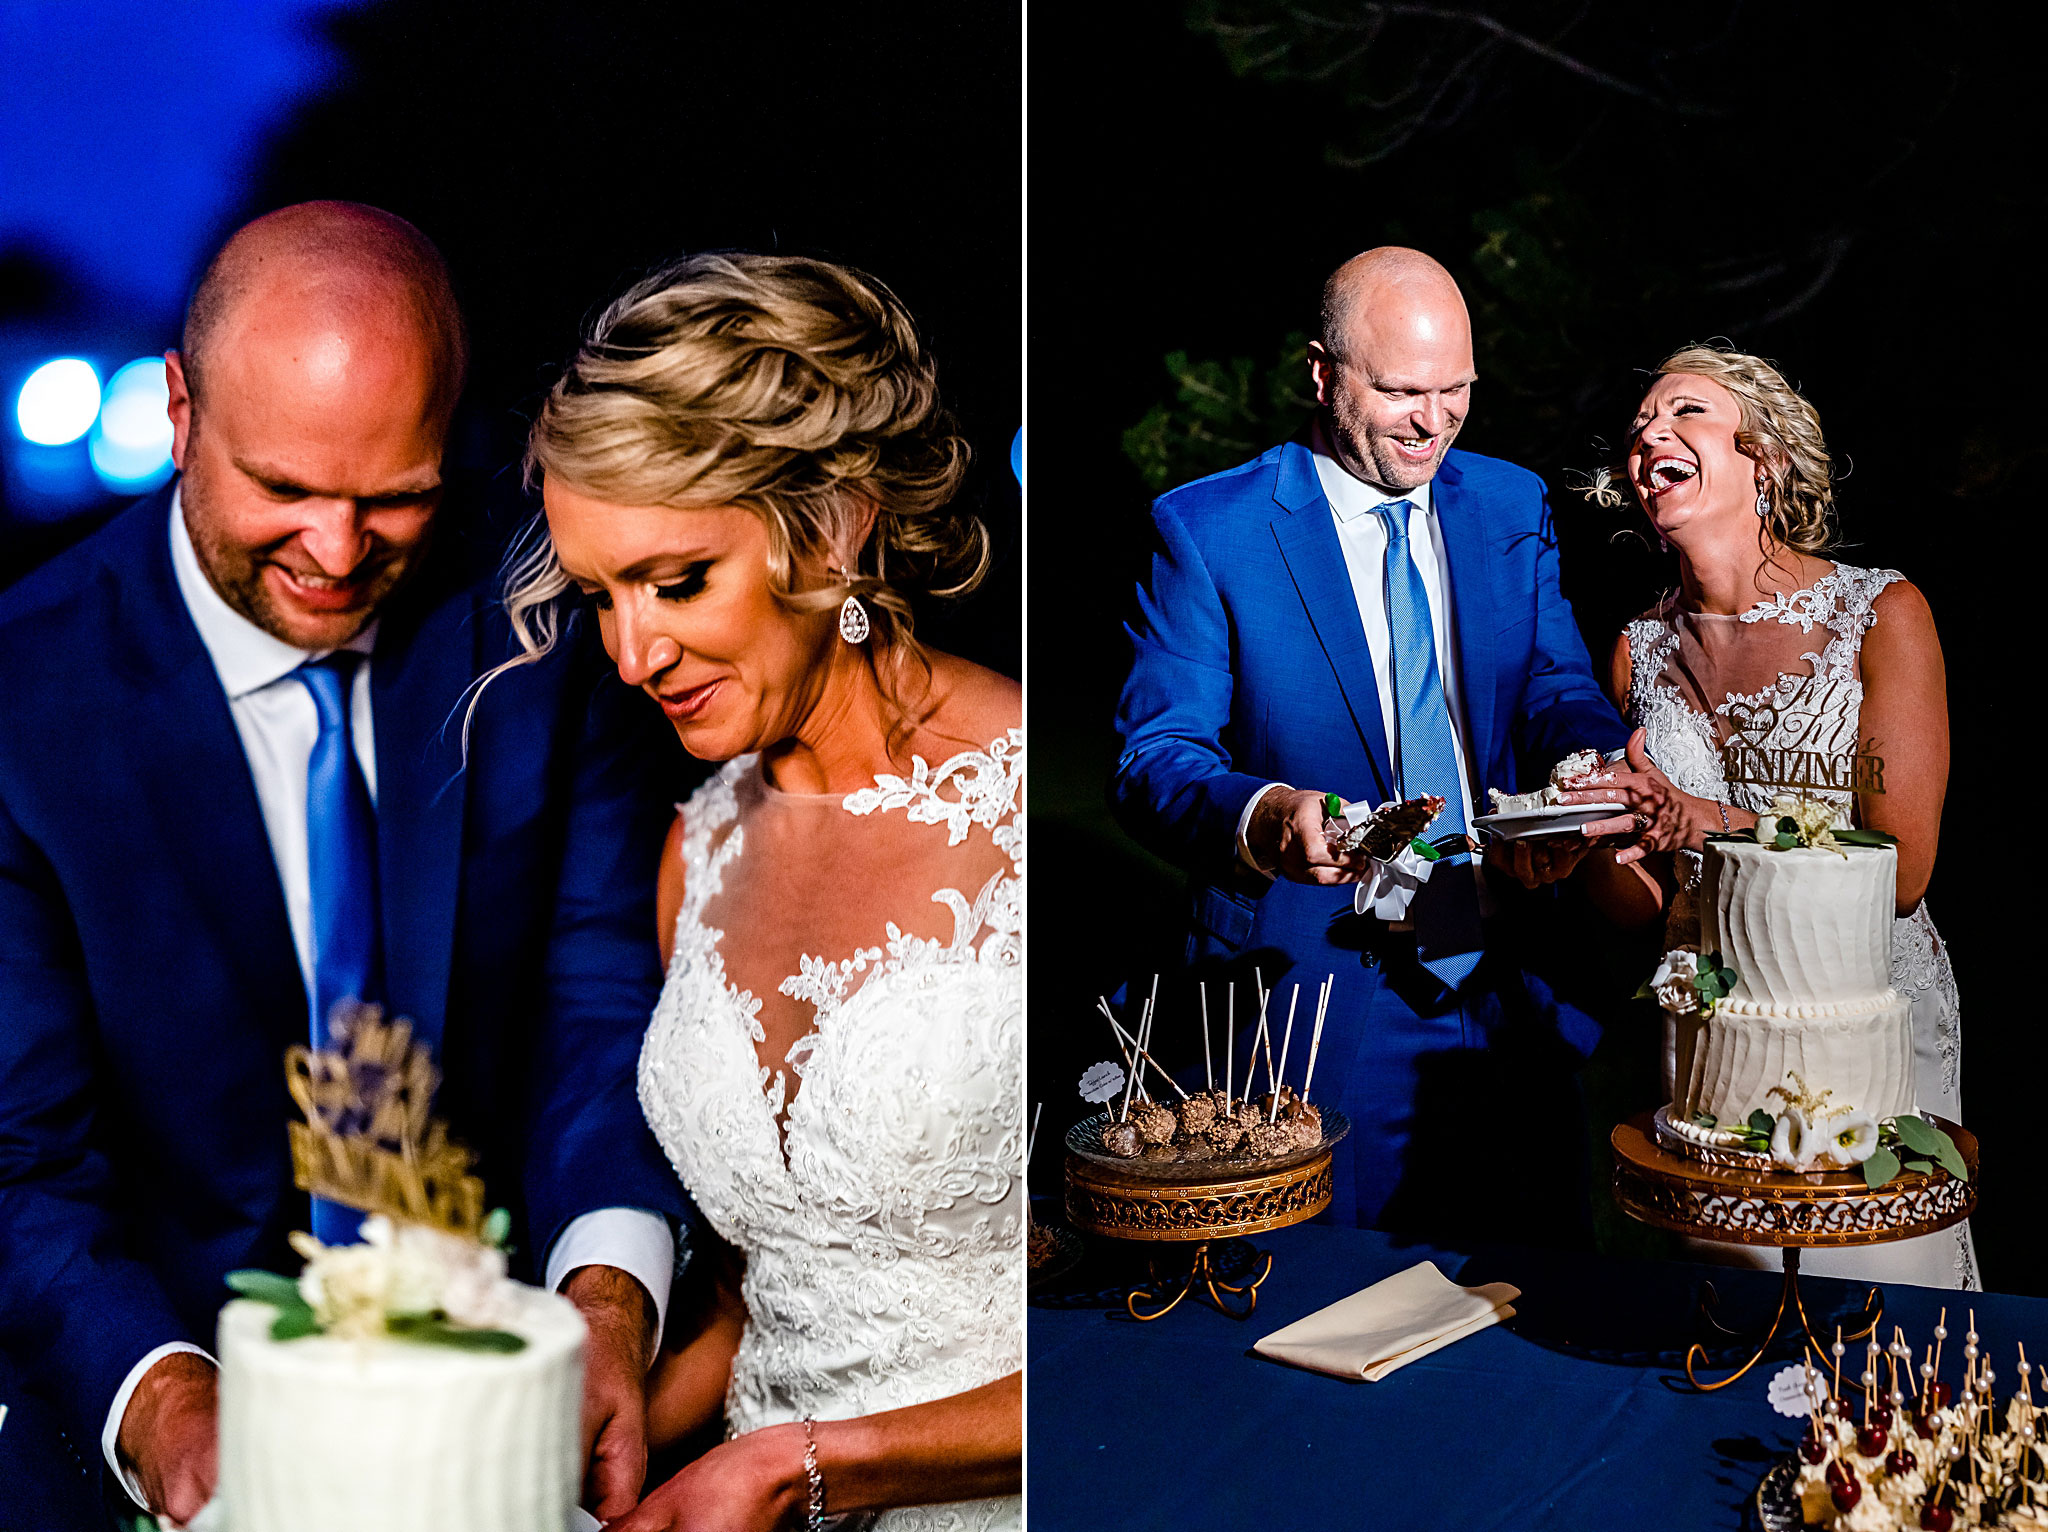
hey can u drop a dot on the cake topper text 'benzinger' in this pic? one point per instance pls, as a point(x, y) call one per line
point(1805, 752)
point(368, 1140)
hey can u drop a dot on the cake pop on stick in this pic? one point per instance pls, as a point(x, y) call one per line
point(1273, 1115)
point(1208, 1066)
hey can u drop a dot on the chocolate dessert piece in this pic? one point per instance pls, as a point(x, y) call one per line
point(1123, 1140)
point(1156, 1123)
point(1196, 1114)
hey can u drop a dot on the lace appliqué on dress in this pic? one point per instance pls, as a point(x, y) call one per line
point(884, 1254)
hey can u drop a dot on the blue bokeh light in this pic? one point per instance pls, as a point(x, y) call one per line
point(131, 442)
point(1017, 456)
point(58, 402)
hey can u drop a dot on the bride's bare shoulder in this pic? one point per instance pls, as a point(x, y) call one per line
point(974, 705)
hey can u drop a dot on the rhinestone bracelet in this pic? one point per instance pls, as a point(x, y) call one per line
point(1727, 827)
point(814, 1512)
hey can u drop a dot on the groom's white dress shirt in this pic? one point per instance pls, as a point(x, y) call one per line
point(1362, 534)
point(277, 722)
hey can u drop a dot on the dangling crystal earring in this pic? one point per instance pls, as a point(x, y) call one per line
point(1763, 503)
point(853, 620)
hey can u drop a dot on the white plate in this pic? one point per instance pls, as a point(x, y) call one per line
point(1558, 819)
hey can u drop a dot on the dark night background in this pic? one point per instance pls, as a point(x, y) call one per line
point(1848, 190)
point(554, 152)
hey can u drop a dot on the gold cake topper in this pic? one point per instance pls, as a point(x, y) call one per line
point(368, 1140)
point(1797, 741)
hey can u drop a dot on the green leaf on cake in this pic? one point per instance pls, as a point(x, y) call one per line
point(1762, 1122)
point(431, 1330)
point(267, 1287)
point(1880, 1168)
point(1924, 1167)
point(1865, 838)
point(497, 1227)
point(1786, 841)
point(1705, 1120)
point(290, 1324)
point(1916, 1134)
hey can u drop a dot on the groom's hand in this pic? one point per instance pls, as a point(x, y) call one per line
point(169, 1436)
point(620, 1316)
point(1285, 836)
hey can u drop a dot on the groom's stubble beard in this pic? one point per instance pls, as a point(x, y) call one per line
point(235, 570)
point(1361, 444)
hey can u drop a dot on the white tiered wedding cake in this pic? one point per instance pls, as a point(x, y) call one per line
point(357, 1427)
point(1790, 1048)
point(1808, 934)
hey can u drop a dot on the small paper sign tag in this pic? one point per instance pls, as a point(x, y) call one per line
point(1101, 1081)
point(1787, 1393)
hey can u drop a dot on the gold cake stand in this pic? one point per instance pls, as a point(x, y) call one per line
point(1104, 1200)
point(1733, 1205)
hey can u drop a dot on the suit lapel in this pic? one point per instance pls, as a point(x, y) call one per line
point(1315, 561)
point(1471, 602)
point(416, 684)
point(196, 779)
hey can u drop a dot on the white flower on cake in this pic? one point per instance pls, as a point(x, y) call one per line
point(1851, 1139)
point(1791, 1139)
point(1676, 981)
point(1807, 821)
point(400, 1270)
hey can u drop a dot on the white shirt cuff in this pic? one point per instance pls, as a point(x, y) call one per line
point(1244, 821)
point(634, 1240)
point(118, 1411)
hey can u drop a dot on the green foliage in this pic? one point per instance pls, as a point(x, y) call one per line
point(1926, 1142)
point(1880, 1167)
point(497, 1227)
point(434, 1330)
point(1714, 980)
point(295, 1316)
point(1222, 414)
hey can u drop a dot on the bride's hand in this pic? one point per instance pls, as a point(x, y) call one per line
point(753, 1483)
point(1660, 817)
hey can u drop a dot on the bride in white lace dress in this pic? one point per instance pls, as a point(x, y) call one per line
point(747, 470)
point(1766, 640)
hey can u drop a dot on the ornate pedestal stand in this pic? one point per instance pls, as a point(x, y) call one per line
point(1104, 1200)
point(1737, 1206)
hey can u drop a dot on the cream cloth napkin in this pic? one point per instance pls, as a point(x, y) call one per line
point(1390, 1324)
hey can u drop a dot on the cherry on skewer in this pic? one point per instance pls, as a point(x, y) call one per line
point(1936, 1518)
point(1870, 1440)
point(1900, 1461)
point(1842, 1486)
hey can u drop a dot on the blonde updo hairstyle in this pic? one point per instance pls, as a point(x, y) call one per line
point(793, 388)
point(1779, 430)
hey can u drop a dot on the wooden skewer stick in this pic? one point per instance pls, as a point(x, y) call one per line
point(1912, 1384)
point(1130, 1064)
point(1838, 1364)
point(1251, 1063)
point(1266, 1037)
point(1146, 1058)
point(1229, 1036)
point(1315, 1041)
point(1940, 1325)
point(1208, 1064)
point(1285, 1038)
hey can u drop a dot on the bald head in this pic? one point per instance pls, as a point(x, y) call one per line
point(309, 409)
point(1388, 288)
point(332, 276)
point(1393, 367)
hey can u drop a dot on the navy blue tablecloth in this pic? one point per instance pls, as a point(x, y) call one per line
point(1565, 1417)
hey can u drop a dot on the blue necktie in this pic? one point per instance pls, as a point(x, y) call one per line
point(341, 845)
point(1445, 912)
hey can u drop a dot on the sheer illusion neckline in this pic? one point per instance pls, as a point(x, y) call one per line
point(986, 781)
point(1784, 605)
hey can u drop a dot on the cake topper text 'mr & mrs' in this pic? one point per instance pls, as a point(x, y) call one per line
point(1796, 741)
point(368, 1140)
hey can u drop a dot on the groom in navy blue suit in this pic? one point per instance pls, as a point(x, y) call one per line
point(1373, 614)
point(233, 785)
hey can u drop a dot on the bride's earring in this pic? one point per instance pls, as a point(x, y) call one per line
point(853, 620)
point(854, 626)
point(1763, 502)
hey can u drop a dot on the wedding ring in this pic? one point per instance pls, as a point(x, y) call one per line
point(1642, 822)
